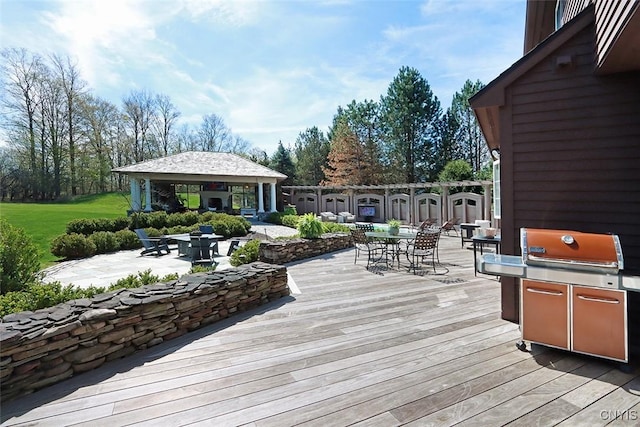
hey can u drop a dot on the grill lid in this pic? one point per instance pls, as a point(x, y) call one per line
point(571, 250)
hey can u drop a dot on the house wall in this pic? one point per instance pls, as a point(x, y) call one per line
point(576, 148)
point(570, 154)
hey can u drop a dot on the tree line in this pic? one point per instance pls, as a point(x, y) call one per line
point(63, 141)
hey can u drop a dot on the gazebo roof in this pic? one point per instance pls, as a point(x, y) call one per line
point(202, 165)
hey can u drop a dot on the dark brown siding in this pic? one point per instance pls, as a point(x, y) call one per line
point(576, 147)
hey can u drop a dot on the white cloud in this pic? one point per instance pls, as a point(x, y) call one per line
point(235, 13)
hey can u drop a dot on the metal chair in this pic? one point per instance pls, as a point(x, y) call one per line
point(374, 250)
point(423, 247)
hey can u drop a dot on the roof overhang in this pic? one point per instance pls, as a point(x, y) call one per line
point(487, 102)
point(201, 167)
point(624, 53)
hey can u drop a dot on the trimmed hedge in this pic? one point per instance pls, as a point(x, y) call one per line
point(87, 237)
point(72, 246)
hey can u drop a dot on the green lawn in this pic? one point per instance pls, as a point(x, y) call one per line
point(45, 221)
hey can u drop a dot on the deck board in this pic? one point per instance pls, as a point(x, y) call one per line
point(378, 347)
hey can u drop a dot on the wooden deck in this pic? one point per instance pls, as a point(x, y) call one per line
point(375, 348)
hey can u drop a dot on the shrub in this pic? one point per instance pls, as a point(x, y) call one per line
point(127, 239)
point(274, 218)
point(72, 246)
point(105, 241)
point(198, 268)
point(309, 226)
point(84, 226)
point(88, 226)
point(153, 232)
point(43, 295)
point(245, 254)
point(178, 229)
point(333, 227)
point(290, 221)
point(157, 219)
point(290, 210)
point(19, 259)
point(190, 218)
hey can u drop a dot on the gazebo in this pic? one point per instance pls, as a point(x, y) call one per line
point(220, 176)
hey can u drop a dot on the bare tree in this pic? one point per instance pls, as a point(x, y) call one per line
point(73, 86)
point(100, 125)
point(21, 73)
point(139, 109)
point(166, 117)
point(214, 133)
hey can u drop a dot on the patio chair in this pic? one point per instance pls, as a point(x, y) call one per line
point(427, 224)
point(328, 217)
point(374, 249)
point(201, 251)
point(364, 226)
point(347, 216)
point(208, 229)
point(152, 244)
point(424, 247)
point(450, 225)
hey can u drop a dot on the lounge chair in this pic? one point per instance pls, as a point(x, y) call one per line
point(347, 216)
point(450, 225)
point(328, 217)
point(152, 244)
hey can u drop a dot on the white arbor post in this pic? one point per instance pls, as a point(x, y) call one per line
point(147, 194)
point(273, 196)
point(136, 203)
point(260, 198)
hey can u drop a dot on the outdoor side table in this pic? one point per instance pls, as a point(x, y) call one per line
point(480, 242)
point(466, 232)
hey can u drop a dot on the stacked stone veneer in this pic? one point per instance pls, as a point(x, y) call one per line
point(47, 346)
point(281, 252)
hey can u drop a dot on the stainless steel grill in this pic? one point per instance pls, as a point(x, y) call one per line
point(572, 292)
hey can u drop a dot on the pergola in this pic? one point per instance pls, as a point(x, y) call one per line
point(202, 168)
point(399, 201)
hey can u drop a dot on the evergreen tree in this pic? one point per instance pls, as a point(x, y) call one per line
point(410, 112)
point(281, 162)
point(469, 135)
point(311, 152)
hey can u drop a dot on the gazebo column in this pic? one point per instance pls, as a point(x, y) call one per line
point(147, 194)
point(260, 198)
point(136, 203)
point(273, 196)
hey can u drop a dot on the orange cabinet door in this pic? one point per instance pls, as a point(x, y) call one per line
point(599, 322)
point(545, 313)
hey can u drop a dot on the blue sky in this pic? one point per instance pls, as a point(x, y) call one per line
point(270, 69)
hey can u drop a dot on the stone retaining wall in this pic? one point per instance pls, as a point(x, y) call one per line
point(283, 251)
point(47, 346)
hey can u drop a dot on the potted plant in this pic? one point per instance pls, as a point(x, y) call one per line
point(394, 226)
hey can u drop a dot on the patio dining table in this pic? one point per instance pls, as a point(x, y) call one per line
point(184, 240)
point(392, 241)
